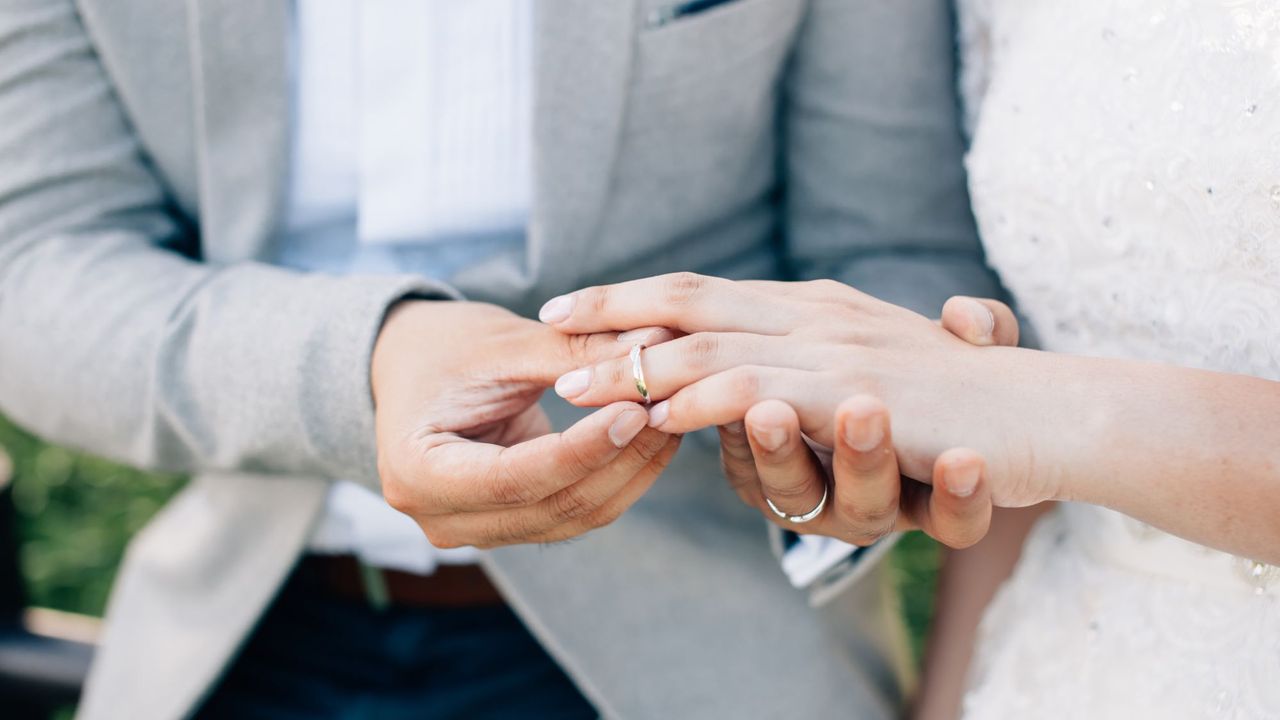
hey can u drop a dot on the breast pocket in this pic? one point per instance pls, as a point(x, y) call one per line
point(681, 38)
point(699, 135)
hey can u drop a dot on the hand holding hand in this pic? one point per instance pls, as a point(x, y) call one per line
point(764, 456)
point(463, 447)
point(810, 345)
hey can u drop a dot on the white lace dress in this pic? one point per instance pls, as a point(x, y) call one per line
point(1125, 172)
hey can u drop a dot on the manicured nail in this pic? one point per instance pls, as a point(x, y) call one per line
point(557, 309)
point(864, 433)
point(771, 439)
point(572, 384)
point(658, 413)
point(983, 319)
point(626, 427)
point(963, 480)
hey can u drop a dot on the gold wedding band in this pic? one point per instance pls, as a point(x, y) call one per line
point(637, 372)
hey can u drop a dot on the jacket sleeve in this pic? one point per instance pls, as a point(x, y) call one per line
point(875, 192)
point(113, 342)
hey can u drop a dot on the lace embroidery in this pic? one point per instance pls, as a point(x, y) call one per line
point(1125, 174)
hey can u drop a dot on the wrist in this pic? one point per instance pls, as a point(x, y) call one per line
point(1072, 406)
point(1044, 421)
point(396, 325)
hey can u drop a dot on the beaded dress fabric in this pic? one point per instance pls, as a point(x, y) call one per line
point(1125, 173)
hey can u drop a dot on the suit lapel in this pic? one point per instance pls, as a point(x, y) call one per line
point(583, 52)
point(240, 61)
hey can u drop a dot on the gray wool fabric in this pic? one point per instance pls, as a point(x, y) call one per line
point(143, 155)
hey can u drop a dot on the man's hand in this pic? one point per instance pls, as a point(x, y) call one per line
point(463, 447)
point(764, 456)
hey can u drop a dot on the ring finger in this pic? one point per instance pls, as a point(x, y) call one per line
point(867, 481)
point(671, 366)
point(790, 476)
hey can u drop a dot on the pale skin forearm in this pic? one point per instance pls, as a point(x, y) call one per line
point(1192, 452)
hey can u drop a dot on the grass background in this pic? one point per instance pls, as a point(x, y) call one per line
point(76, 513)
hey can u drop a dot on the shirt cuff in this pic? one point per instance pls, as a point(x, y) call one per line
point(822, 565)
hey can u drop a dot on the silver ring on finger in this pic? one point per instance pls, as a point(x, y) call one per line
point(637, 372)
point(806, 517)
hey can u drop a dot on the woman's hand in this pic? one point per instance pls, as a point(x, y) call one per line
point(811, 345)
point(765, 457)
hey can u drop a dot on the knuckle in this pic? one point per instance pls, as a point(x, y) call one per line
point(509, 491)
point(442, 538)
point(827, 288)
point(865, 538)
point(789, 488)
point(397, 495)
point(736, 472)
point(618, 375)
point(607, 515)
point(877, 519)
point(570, 504)
point(733, 441)
point(701, 350)
point(508, 529)
point(649, 443)
point(683, 287)
point(962, 542)
point(598, 300)
point(509, 486)
point(571, 459)
point(393, 492)
point(744, 383)
point(386, 469)
point(961, 536)
point(580, 348)
point(736, 451)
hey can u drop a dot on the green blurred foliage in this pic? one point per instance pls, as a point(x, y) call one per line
point(76, 513)
point(915, 568)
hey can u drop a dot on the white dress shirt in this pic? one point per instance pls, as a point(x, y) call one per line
point(410, 154)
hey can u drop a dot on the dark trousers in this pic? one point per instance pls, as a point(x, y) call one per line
point(315, 655)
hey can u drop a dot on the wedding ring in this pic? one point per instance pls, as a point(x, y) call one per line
point(637, 372)
point(801, 519)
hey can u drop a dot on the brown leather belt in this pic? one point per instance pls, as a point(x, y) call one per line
point(450, 586)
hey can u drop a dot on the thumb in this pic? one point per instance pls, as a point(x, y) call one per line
point(979, 321)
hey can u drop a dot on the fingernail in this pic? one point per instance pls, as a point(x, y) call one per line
point(573, 384)
point(963, 480)
point(865, 433)
point(556, 309)
point(631, 337)
point(625, 427)
point(658, 413)
point(735, 428)
point(983, 319)
point(771, 439)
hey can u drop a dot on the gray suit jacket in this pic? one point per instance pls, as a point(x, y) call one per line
point(143, 152)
